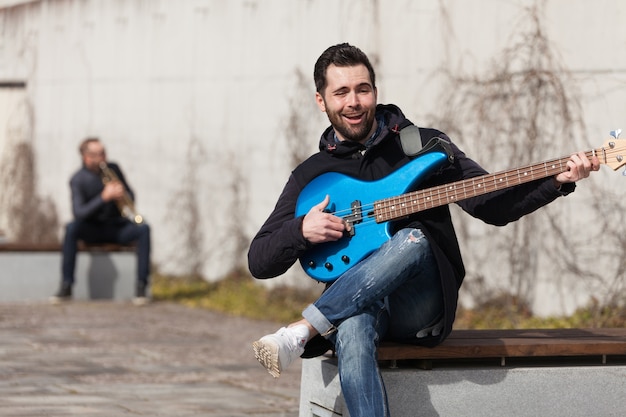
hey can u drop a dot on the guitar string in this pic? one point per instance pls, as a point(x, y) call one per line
point(435, 194)
point(439, 195)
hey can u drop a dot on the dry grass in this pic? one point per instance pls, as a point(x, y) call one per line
point(240, 295)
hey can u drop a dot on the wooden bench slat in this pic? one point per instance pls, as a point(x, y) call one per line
point(536, 333)
point(56, 247)
point(105, 247)
point(30, 247)
point(473, 344)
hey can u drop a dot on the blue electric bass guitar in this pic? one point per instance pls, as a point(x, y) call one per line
point(367, 206)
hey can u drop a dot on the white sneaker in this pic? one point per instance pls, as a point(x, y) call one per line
point(141, 301)
point(277, 351)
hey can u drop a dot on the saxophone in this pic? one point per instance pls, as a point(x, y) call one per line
point(126, 205)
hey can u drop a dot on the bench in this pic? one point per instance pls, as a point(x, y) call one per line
point(555, 372)
point(32, 272)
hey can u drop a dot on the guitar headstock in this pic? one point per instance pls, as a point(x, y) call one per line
point(613, 152)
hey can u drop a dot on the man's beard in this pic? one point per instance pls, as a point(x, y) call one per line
point(354, 133)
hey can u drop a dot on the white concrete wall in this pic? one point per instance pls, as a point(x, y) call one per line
point(199, 94)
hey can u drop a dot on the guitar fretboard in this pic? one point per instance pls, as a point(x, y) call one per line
point(416, 201)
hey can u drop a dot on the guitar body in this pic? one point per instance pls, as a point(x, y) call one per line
point(353, 199)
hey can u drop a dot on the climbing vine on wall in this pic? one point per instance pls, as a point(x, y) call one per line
point(526, 109)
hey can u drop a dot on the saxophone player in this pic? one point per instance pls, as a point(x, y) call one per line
point(100, 205)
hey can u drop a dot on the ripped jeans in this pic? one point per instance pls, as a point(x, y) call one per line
point(394, 294)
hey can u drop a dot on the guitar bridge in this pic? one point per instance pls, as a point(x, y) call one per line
point(355, 217)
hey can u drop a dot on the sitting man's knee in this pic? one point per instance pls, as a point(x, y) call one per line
point(145, 229)
point(71, 229)
point(357, 330)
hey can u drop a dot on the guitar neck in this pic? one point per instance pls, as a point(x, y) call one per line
point(406, 204)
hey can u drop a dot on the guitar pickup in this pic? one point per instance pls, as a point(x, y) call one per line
point(355, 217)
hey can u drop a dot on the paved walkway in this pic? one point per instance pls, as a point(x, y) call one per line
point(113, 359)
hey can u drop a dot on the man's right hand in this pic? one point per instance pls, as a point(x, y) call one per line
point(113, 191)
point(319, 226)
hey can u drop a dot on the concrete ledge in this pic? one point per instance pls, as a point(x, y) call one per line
point(33, 273)
point(477, 373)
point(477, 391)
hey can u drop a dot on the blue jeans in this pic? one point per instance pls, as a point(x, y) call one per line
point(119, 231)
point(394, 294)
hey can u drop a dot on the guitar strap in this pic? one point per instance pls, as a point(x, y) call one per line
point(411, 140)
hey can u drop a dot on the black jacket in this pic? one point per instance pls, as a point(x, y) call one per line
point(280, 242)
point(87, 204)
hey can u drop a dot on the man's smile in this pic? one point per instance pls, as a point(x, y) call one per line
point(354, 119)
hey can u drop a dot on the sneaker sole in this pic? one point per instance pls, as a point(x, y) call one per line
point(267, 355)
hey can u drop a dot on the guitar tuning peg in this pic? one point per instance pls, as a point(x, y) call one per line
point(615, 133)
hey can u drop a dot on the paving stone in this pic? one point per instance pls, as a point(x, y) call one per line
point(113, 359)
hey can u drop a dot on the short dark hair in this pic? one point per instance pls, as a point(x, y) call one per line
point(341, 55)
point(85, 143)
